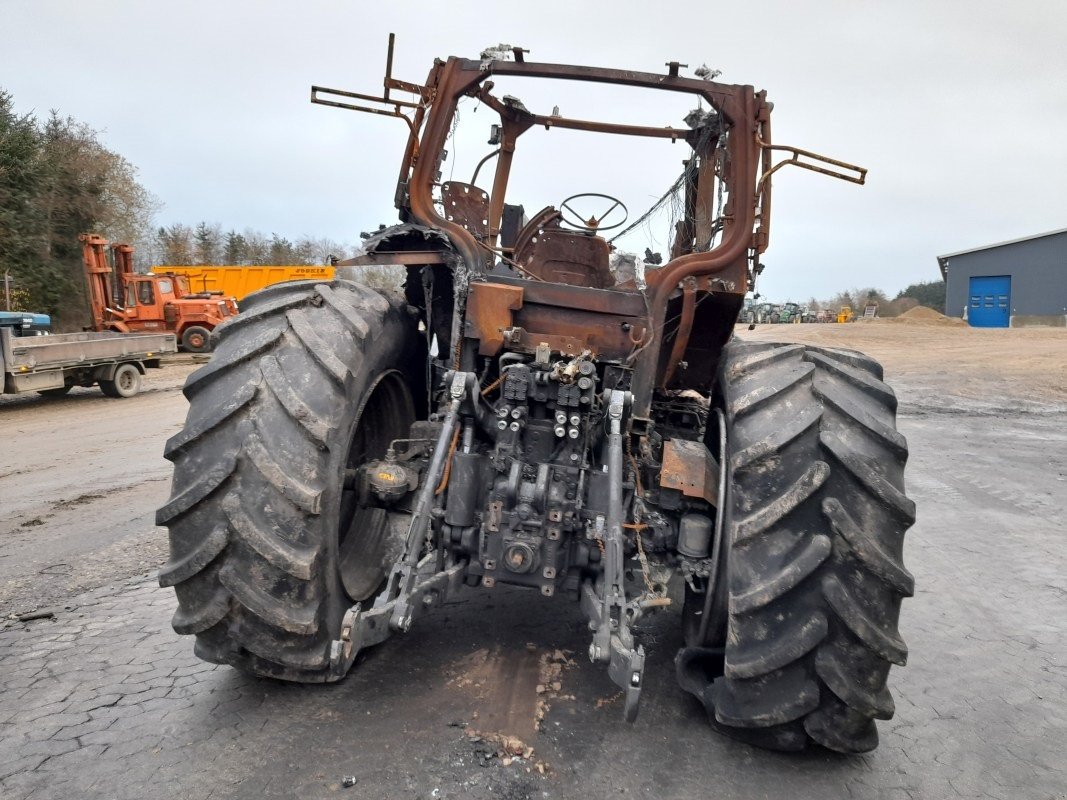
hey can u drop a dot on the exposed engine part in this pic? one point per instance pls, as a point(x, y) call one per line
point(390, 480)
point(694, 535)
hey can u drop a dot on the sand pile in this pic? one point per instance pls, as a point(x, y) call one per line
point(921, 315)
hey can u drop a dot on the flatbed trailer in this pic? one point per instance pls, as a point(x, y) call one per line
point(53, 365)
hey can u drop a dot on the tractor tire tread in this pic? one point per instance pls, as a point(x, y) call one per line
point(814, 593)
point(248, 552)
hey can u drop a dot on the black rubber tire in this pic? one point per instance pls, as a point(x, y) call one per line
point(196, 339)
point(59, 391)
point(259, 468)
point(126, 383)
point(817, 516)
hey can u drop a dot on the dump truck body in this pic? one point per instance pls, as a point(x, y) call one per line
point(240, 281)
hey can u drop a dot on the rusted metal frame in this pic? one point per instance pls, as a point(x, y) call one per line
point(511, 129)
point(490, 311)
point(358, 96)
point(735, 104)
point(722, 97)
point(683, 228)
point(685, 327)
point(451, 84)
point(690, 468)
point(403, 257)
point(524, 316)
point(424, 92)
point(611, 127)
point(389, 64)
point(585, 74)
point(366, 109)
point(703, 211)
point(795, 161)
point(513, 124)
point(460, 76)
point(762, 236)
point(477, 169)
point(411, 150)
point(734, 247)
point(604, 301)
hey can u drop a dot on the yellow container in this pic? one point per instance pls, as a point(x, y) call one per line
point(239, 282)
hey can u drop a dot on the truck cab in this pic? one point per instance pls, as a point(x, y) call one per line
point(125, 301)
point(25, 323)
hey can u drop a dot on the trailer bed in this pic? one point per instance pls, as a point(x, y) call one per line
point(36, 363)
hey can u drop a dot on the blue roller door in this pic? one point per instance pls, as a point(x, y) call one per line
point(990, 301)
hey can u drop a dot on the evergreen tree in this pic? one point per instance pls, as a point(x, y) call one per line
point(930, 294)
point(235, 248)
point(57, 181)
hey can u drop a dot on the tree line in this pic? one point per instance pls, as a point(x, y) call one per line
point(57, 180)
point(209, 243)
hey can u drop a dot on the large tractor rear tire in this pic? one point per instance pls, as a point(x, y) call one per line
point(815, 532)
point(307, 383)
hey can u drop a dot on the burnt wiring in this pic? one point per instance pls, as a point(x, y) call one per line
point(674, 196)
point(653, 208)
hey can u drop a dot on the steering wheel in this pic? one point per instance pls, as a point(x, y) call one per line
point(592, 225)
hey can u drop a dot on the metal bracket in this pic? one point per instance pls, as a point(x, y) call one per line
point(842, 173)
point(608, 611)
point(361, 629)
point(401, 585)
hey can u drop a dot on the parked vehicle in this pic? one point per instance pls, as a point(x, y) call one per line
point(336, 481)
point(53, 365)
point(766, 313)
point(24, 323)
point(790, 313)
point(845, 314)
point(124, 301)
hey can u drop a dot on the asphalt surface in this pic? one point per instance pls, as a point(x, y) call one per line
point(103, 700)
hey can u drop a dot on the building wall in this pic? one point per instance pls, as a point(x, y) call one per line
point(1038, 269)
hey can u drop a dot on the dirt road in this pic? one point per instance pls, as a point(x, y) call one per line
point(80, 478)
point(948, 366)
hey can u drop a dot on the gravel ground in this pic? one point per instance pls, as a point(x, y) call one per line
point(102, 700)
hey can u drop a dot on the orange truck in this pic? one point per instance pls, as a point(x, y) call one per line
point(240, 282)
point(124, 301)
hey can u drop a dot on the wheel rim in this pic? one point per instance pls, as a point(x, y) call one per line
point(386, 414)
point(126, 380)
point(196, 340)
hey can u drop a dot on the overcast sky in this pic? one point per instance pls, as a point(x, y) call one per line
point(958, 109)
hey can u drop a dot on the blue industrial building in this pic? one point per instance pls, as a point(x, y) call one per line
point(1014, 283)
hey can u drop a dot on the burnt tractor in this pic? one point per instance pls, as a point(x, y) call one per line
point(525, 414)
